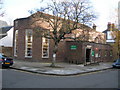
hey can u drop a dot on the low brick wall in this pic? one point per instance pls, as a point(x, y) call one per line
point(6, 50)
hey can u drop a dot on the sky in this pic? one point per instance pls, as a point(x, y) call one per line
point(106, 11)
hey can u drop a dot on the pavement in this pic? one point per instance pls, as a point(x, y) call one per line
point(61, 69)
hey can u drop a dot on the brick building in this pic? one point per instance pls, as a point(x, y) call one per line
point(119, 15)
point(27, 46)
point(112, 37)
point(88, 52)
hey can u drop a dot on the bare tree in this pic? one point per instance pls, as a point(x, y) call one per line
point(65, 17)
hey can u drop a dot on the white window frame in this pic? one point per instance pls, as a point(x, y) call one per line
point(47, 48)
point(26, 42)
point(15, 43)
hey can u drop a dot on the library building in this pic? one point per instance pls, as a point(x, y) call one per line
point(29, 47)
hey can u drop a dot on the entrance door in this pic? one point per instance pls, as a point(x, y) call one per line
point(88, 54)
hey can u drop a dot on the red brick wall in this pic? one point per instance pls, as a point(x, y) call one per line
point(64, 52)
point(37, 45)
point(7, 51)
point(79, 55)
point(74, 56)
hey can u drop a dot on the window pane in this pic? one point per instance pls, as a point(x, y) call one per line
point(28, 51)
point(45, 48)
point(16, 43)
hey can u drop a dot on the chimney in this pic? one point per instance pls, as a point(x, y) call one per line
point(109, 26)
point(94, 27)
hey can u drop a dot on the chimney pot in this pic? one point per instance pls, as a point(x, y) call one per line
point(94, 26)
point(109, 26)
point(113, 26)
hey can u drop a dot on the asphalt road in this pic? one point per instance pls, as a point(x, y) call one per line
point(19, 79)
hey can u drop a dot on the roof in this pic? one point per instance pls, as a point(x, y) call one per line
point(44, 15)
point(21, 18)
point(3, 23)
point(4, 30)
point(105, 31)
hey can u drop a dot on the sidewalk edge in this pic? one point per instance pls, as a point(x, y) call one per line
point(78, 73)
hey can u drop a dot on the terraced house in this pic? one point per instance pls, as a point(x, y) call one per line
point(90, 46)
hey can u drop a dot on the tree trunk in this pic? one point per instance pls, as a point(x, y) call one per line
point(54, 60)
point(54, 55)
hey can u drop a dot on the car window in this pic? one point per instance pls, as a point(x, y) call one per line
point(118, 61)
point(1, 56)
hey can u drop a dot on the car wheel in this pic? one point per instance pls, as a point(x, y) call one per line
point(114, 66)
point(3, 66)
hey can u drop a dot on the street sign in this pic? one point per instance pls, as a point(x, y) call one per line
point(93, 53)
point(73, 47)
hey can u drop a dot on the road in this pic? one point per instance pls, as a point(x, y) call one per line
point(19, 79)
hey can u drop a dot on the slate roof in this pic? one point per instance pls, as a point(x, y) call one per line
point(3, 31)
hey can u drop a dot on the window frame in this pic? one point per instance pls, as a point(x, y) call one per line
point(16, 43)
point(26, 42)
point(48, 43)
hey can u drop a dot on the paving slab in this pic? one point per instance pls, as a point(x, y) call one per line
point(64, 69)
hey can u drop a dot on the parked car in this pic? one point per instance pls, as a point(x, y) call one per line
point(116, 64)
point(5, 61)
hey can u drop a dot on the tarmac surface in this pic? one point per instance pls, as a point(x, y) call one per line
point(61, 69)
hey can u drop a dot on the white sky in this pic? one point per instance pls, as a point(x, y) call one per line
point(19, 9)
point(106, 11)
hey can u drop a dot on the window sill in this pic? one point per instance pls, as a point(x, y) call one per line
point(28, 56)
point(15, 55)
point(45, 57)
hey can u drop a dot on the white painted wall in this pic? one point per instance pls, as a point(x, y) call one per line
point(8, 40)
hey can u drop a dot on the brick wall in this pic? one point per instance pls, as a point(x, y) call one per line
point(78, 55)
point(65, 53)
point(7, 51)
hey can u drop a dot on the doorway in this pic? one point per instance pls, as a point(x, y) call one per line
point(88, 54)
